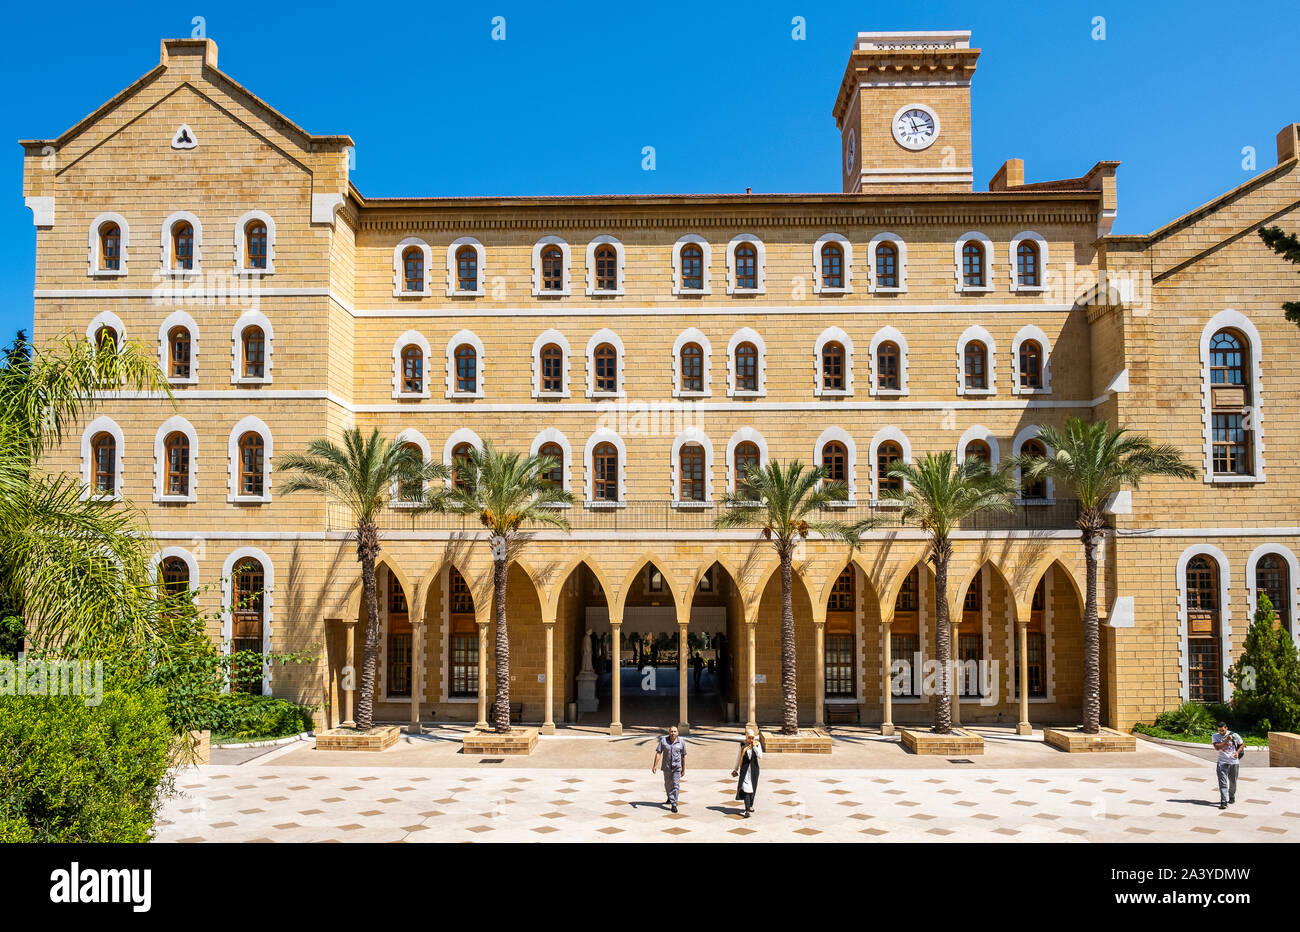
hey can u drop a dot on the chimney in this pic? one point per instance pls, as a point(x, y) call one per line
point(201, 50)
point(1010, 175)
point(1288, 143)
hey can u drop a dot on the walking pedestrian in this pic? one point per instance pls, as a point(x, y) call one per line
point(747, 770)
point(671, 751)
point(697, 664)
point(1230, 748)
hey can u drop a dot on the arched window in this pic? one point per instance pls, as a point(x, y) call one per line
point(691, 473)
point(692, 361)
point(833, 366)
point(411, 490)
point(904, 638)
point(183, 245)
point(835, 460)
point(887, 454)
point(178, 353)
point(979, 450)
point(466, 369)
point(399, 640)
point(886, 265)
point(841, 597)
point(413, 269)
point(1272, 578)
point(252, 466)
point(464, 637)
point(1036, 490)
point(1027, 264)
point(176, 449)
point(972, 264)
point(552, 269)
point(606, 360)
point(467, 269)
point(1203, 630)
point(840, 623)
point(459, 454)
point(604, 464)
point(746, 267)
point(110, 247)
point(555, 475)
point(254, 353)
point(832, 265)
point(746, 367)
point(175, 576)
point(1227, 359)
point(106, 337)
point(888, 376)
point(976, 365)
point(746, 456)
point(1230, 400)
point(1031, 361)
point(692, 259)
point(552, 368)
point(606, 268)
point(103, 451)
point(255, 245)
point(247, 588)
point(412, 370)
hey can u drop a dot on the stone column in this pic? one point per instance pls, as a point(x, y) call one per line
point(1022, 638)
point(887, 725)
point(482, 677)
point(956, 666)
point(548, 721)
point(350, 663)
point(616, 680)
point(751, 662)
point(820, 720)
point(417, 668)
point(683, 680)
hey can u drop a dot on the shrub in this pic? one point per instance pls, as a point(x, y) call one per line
point(1189, 718)
point(1266, 680)
point(11, 636)
point(242, 715)
point(72, 772)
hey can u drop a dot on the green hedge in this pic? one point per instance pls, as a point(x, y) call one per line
point(240, 715)
point(72, 772)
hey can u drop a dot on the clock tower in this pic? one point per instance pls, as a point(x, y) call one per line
point(903, 112)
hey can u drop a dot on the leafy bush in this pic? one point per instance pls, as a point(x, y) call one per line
point(241, 715)
point(1190, 718)
point(1266, 680)
point(11, 636)
point(72, 772)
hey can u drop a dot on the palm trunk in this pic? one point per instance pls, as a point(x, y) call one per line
point(367, 551)
point(1091, 630)
point(789, 697)
point(942, 637)
point(501, 707)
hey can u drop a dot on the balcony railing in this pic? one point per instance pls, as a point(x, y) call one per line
point(669, 516)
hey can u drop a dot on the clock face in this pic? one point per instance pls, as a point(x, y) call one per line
point(916, 127)
point(850, 152)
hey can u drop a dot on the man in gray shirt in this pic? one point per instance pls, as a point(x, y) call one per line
point(671, 750)
point(1228, 744)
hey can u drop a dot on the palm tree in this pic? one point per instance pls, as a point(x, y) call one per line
point(938, 493)
point(783, 501)
point(1095, 462)
point(506, 491)
point(363, 476)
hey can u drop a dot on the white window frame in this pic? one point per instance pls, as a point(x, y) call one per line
point(901, 245)
point(240, 236)
point(250, 424)
point(1030, 332)
point(1012, 261)
point(692, 435)
point(760, 276)
point(847, 248)
point(463, 435)
point(453, 272)
point(833, 334)
point(399, 273)
point(545, 338)
point(889, 335)
point(460, 338)
point(1293, 583)
point(103, 424)
point(409, 338)
point(692, 335)
point(410, 435)
point(94, 269)
point(1032, 432)
point(180, 553)
point(178, 319)
point(106, 319)
point(987, 243)
point(707, 260)
point(976, 332)
point(747, 335)
point(979, 432)
point(166, 244)
point(268, 603)
point(605, 240)
point(567, 259)
point(1235, 320)
point(1225, 618)
point(599, 436)
point(605, 336)
point(840, 434)
point(174, 424)
point(743, 435)
point(882, 435)
point(246, 320)
point(551, 435)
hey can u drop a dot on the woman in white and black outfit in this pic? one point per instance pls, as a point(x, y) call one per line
point(747, 770)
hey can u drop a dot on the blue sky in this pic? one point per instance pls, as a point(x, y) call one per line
point(566, 103)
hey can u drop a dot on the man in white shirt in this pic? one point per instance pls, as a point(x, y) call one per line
point(1229, 745)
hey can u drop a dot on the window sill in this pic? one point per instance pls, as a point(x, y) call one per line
point(741, 504)
point(691, 504)
point(846, 503)
point(822, 289)
point(605, 293)
point(974, 289)
point(1035, 502)
point(746, 291)
point(182, 273)
point(606, 396)
point(690, 395)
point(106, 498)
point(1232, 480)
point(412, 294)
point(192, 380)
point(835, 393)
point(1028, 289)
point(876, 289)
point(552, 294)
point(884, 503)
point(463, 396)
point(463, 700)
point(107, 273)
point(175, 499)
point(603, 505)
point(249, 273)
point(410, 396)
point(749, 393)
point(557, 506)
point(891, 392)
point(452, 293)
point(550, 396)
point(403, 505)
point(1021, 390)
point(978, 392)
point(248, 380)
point(692, 292)
point(248, 499)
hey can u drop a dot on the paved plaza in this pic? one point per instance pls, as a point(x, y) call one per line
point(577, 787)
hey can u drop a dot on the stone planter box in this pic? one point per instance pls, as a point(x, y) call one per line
point(960, 743)
point(198, 751)
point(490, 743)
point(1074, 741)
point(1283, 749)
point(808, 741)
point(379, 738)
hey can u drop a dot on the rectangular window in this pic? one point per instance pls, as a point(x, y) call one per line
point(970, 647)
point(904, 647)
point(839, 665)
point(399, 665)
point(464, 665)
point(1037, 670)
point(1231, 449)
point(1203, 670)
